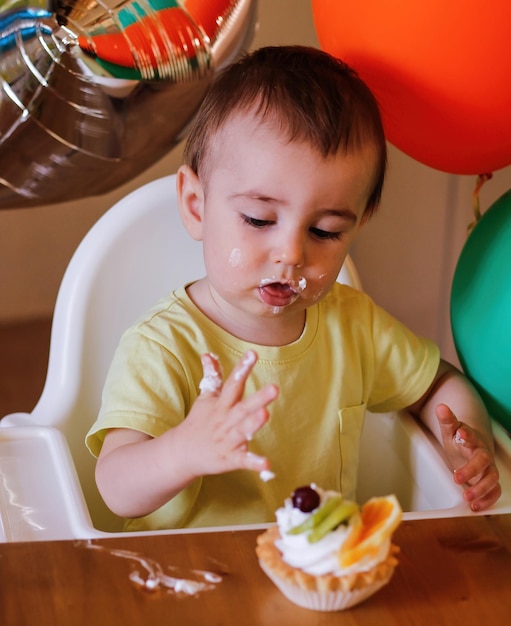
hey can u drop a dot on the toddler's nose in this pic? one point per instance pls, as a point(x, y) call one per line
point(290, 251)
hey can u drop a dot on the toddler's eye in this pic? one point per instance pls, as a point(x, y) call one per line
point(256, 223)
point(325, 234)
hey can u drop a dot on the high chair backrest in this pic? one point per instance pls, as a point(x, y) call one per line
point(136, 253)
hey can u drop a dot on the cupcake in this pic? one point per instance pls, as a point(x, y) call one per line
point(327, 554)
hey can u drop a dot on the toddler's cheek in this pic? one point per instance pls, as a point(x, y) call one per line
point(316, 292)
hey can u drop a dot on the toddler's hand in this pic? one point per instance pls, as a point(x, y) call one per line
point(471, 458)
point(221, 421)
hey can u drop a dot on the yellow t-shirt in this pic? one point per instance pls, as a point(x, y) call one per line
point(351, 357)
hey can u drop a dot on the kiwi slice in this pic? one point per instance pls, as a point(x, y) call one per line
point(317, 517)
point(340, 514)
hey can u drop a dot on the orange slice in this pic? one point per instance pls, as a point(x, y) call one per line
point(378, 519)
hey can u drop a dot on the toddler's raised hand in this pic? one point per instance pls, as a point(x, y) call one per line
point(471, 458)
point(222, 422)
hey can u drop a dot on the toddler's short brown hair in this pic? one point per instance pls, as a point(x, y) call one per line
point(312, 96)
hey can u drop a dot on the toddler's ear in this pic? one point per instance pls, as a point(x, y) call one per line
point(190, 197)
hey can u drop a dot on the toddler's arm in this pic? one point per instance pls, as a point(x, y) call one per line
point(453, 410)
point(136, 474)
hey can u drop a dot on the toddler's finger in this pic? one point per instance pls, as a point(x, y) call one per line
point(211, 381)
point(253, 422)
point(235, 383)
point(466, 438)
point(252, 413)
point(479, 463)
point(244, 367)
point(480, 484)
point(487, 500)
point(254, 462)
point(447, 421)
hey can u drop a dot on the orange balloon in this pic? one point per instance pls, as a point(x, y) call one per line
point(441, 71)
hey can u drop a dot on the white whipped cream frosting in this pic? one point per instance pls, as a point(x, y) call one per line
point(320, 557)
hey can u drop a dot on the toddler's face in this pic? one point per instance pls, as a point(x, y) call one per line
point(278, 221)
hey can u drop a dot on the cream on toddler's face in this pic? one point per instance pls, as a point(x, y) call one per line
point(277, 221)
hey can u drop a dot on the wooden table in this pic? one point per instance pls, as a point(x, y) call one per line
point(452, 571)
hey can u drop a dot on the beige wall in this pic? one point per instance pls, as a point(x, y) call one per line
point(406, 255)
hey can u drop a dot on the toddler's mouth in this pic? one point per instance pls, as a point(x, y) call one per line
point(280, 294)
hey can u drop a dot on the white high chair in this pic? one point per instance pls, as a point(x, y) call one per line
point(136, 253)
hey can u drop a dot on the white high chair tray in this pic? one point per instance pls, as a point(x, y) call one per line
point(40, 495)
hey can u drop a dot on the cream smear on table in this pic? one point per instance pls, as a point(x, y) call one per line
point(151, 577)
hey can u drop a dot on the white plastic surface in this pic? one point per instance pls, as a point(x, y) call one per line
point(398, 456)
point(40, 496)
point(136, 253)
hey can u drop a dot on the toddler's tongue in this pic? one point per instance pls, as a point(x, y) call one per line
point(278, 289)
point(277, 294)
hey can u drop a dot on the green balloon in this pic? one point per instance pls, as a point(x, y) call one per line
point(481, 309)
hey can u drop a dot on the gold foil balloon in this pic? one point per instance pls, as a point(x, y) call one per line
point(93, 92)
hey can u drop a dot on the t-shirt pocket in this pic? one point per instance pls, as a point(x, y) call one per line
point(351, 422)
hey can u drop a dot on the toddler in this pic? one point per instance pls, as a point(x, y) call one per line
point(267, 363)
